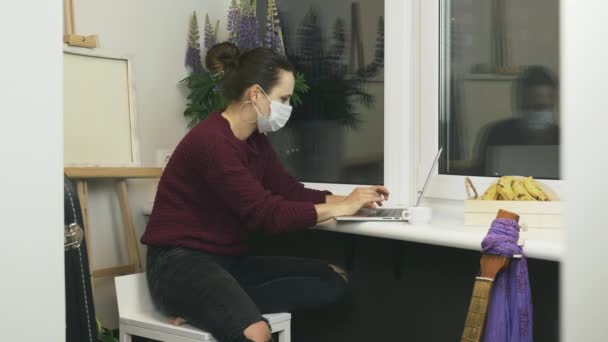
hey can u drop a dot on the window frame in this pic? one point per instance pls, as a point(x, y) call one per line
point(399, 103)
point(411, 112)
point(429, 63)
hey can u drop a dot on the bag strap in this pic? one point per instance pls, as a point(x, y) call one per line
point(73, 232)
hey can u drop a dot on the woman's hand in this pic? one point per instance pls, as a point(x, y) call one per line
point(361, 197)
point(177, 321)
point(367, 197)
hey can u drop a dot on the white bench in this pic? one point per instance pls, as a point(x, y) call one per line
point(139, 317)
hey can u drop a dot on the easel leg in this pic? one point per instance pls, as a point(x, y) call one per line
point(129, 229)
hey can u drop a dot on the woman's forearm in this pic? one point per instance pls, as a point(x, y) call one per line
point(330, 210)
point(334, 198)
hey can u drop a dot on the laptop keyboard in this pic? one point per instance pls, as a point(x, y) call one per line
point(386, 213)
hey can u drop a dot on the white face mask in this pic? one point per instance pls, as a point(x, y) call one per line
point(539, 119)
point(278, 117)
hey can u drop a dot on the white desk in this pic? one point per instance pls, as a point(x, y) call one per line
point(447, 229)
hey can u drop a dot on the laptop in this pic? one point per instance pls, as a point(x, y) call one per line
point(539, 161)
point(392, 214)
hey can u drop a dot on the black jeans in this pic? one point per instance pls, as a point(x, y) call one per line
point(224, 294)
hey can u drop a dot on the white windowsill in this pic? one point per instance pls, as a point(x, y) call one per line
point(446, 229)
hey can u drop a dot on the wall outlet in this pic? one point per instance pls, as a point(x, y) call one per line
point(162, 157)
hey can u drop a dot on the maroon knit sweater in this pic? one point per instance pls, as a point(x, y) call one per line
point(217, 188)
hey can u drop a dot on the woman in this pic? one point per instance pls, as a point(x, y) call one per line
point(224, 181)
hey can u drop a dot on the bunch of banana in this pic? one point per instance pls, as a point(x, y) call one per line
point(491, 193)
point(521, 192)
point(535, 190)
point(509, 188)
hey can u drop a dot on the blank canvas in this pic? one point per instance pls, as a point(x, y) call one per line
point(98, 111)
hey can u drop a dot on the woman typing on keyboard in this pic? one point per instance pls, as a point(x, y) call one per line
point(224, 181)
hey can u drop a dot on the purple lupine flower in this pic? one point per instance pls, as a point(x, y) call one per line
point(254, 30)
point(242, 40)
point(233, 22)
point(193, 54)
point(248, 26)
point(270, 25)
point(273, 38)
point(210, 34)
point(243, 26)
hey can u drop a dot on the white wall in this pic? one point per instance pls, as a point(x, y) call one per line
point(584, 77)
point(154, 33)
point(31, 206)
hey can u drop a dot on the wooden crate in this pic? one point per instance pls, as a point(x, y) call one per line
point(479, 213)
point(535, 214)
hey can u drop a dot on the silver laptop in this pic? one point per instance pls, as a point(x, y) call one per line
point(539, 161)
point(392, 214)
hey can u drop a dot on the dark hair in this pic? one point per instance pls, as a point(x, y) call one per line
point(533, 76)
point(240, 71)
point(537, 75)
point(221, 57)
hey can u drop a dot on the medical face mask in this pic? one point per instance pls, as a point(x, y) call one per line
point(278, 117)
point(539, 119)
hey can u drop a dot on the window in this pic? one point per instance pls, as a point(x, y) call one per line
point(337, 134)
point(498, 87)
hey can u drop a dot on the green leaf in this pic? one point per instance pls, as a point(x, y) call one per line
point(204, 97)
point(104, 334)
point(299, 89)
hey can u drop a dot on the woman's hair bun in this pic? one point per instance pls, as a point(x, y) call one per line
point(222, 58)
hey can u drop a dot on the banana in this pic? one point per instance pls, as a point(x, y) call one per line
point(534, 190)
point(491, 193)
point(521, 192)
point(505, 188)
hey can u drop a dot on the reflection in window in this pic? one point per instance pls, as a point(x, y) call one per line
point(499, 109)
point(337, 134)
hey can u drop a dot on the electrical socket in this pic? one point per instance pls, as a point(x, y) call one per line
point(162, 157)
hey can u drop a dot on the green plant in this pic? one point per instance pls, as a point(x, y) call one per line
point(334, 90)
point(243, 30)
point(105, 334)
point(205, 95)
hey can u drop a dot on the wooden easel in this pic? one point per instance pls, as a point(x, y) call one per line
point(69, 29)
point(120, 174)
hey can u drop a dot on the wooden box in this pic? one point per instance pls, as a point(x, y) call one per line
point(535, 214)
point(479, 213)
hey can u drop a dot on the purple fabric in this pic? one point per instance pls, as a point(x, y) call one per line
point(510, 309)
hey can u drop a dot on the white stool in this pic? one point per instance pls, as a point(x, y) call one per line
point(139, 317)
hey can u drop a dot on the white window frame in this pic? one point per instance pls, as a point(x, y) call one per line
point(427, 114)
point(399, 103)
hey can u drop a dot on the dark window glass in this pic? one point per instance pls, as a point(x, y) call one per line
point(337, 134)
point(499, 81)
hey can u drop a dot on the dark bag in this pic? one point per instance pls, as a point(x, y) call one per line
point(81, 325)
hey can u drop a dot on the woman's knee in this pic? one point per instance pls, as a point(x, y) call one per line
point(339, 285)
point(258, 332)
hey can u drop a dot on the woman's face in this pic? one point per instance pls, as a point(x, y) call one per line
point(281, 92)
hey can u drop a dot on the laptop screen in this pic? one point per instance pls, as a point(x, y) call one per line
point(539, 161)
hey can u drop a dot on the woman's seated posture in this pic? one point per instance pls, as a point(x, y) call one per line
point(224, 181)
